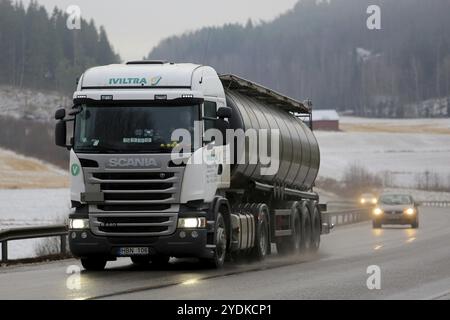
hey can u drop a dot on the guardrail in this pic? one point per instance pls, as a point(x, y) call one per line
point(342, 217)
point(32, 233)
point(442, 204)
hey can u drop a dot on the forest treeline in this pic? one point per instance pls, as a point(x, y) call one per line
point(38, 51)
point(323, 50)
point(33, 139)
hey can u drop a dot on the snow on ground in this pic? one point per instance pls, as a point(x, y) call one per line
point(19, 103)
point(403, 154)
point(32, 193)
point(31, 207)
point(431, 126)
point(441, 122)
point(25, 207)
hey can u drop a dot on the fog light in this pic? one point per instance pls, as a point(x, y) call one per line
point(182, 234)
point(79, 224)
point(194, 234)
point(73, 235)
point(410, 211)
point(191, 223)
point(83, 235)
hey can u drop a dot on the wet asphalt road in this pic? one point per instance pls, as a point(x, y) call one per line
point(414, 264)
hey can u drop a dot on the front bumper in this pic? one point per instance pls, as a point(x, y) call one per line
point(395, 219)
point(83, 243)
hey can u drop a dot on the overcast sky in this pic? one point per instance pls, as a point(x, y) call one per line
point(136, 26)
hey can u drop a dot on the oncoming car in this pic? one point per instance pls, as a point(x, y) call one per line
point(395, 209)
point(368, 199)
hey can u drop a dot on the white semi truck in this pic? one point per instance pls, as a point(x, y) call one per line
point(139, 191)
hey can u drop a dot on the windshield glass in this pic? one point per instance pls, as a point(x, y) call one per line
point(131, 128)
point(394, 199)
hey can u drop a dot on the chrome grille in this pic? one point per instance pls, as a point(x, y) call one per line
point(393, 212)
point(132, 224)
point(137, 187)
point(137, 201)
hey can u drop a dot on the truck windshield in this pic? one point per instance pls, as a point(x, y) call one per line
point(131, 128)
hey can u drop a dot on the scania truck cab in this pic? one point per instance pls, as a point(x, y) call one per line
point(138, 190)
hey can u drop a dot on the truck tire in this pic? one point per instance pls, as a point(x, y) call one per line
point(291, 244)
point(306, 230)
point(93, 264)
point(260, 249)
point(316, 229)
point(220, 240)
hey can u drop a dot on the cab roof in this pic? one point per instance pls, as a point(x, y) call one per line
point(139, 74)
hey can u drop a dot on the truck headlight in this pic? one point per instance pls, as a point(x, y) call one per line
point(377, 211)
point(79, 224)
point(410, 211)
point(191, 223)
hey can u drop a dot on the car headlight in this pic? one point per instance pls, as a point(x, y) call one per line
point(363, 201)
point(377, 211)
point(410, 211)
point(191, 223)
point(374, 201)
point(79, 224)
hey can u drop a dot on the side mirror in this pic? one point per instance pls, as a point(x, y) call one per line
point(418, 203)
point(60, 114)
point(60, 133)
point(224, 112)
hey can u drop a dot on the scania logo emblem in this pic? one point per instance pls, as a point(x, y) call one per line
point(132, 162)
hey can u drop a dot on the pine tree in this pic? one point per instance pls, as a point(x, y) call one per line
point(38, 51)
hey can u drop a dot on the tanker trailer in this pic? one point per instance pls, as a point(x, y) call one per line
point(132, 196)
point(292, 214)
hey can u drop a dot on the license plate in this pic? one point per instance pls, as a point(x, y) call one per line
point(133, 251)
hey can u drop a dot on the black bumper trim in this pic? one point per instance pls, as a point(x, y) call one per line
point(172, 245)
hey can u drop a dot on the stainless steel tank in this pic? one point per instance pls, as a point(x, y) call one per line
point(299, 153)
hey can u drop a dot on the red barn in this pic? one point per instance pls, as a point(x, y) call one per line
point(325, 120)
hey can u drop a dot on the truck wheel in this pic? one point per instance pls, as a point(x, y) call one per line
point(306, 230)
point(316, 230)
point(220, 239)
point(260, 249)
point(140, 260)
point(290, 244)
point(93, 264)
